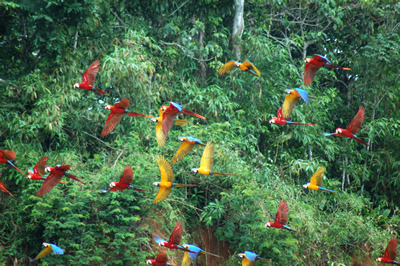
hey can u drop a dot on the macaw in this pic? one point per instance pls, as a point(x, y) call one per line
point(116, 114)
point(390, 253)
point(174, 240)
point(280, 120)
point(192, 253)
point(6, 156)
point(160, 135)
point(88, 79)
point(124, 183)
point(292, 98)
point(187, 146)
point(352, 128)
point(206, 163)
point(56, 173)
point(161, 260)
point(170, 112)
point(314, 64)
point(281, 218)
point(250, 258)
point(167, 180)
point(316, 181)
point(38, 171)
point(245, 66)
point(47, 250)
point(4, 189)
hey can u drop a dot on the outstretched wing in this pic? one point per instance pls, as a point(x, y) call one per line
point(391, 249)
point(183, 150)
point(90, 74)
point(124, 104)
point(186, 259)
point(207, 158)
point(226, 68)
point(168, 121)
point(316, 179)
point(8, 155)
point(160, 136)
point(162, 258)
point(165, 169)
point(282, 214)
point(321, 59)
point(288, 105)
point(250, 67)
point(127, 177)
point(51, 181)
point(309, 73)
point(56, 249)
point(176, 235)
point(39, 167)
point(4, 189)
point(46, 251)
point(162, 194)
point(357, 122)
point(112, 121)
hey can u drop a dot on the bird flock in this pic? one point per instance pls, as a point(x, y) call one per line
point(167, 118)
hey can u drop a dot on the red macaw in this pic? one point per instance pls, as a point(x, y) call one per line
point(38, 171)
point(245, 66)
point(161, 260)
point(4, 189)
point(6, 156)
point(116, 114)
point(280, 120)
point(314, 64)
point(124, 183)
point(88, 79)
point(187, 145)
point(352, 128)
point(56, 173)
point(170, 112)
point(390, 253)
point(281, 218)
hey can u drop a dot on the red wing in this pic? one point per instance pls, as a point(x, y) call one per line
point(168, 121)
point(187, 112)
point(90, 74)
point(357, 122)
point(127, 177)
point(162, 258)
point(112, 121)
point(50, 182)
point(309, 73)
point(391, 249)
point(176, 235)
point(321, 59)
point(279, 113)
point(39, 167)
point(133, 114)
point(8, 155)
point(124, 103)
point(283, 210)
point(63, 167)
point(4, 189)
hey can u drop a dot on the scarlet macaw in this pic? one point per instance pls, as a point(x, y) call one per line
point(47, 250)
point(124, 183)
point(316, 181)
point(167, 180)
point(56, 173)
point(314, 64)
point(38, 171)
point(6, 156)
point(170, 112)
point(206, 163)
point(281, 218)
point(116, 114)
point(245, 66)
point(390, 253)
point(4, 189)
point(352, 128)
point(174, 240)
point(192, 253)
point(161, 260)
point(88, 79)
point(250, 258)
point(187, 146)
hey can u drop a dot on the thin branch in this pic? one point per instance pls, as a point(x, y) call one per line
point(120, 20)
point(183, 49)
point(178, 8)
point(117, 158)
point(100, 140)
point(76, 42)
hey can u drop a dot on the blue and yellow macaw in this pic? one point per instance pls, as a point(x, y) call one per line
point(187, 146)
point(47, 250)
point(291, 99)
point(189, 256)
point(250, 258)
point(316, 181)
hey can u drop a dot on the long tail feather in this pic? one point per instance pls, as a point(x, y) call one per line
point(338, 67)
point(221, 174)
point(360, 141)
point(208, 253)
point(73, 177)
point(133, 114)
point(16, 168)
point(136, 188)
point(327, 134)
point(328, 190)
point(290, 229)
point(100, 92)
point(186, 185)
point(187, 112)
point(180, 122)
point(263, 259)
point(296, 123)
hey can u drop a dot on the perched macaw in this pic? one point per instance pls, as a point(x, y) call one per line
point(170, 112)
point(116, 114)
point(390, 253)
point(56, 173)
point(314, 64)
point(194, 251)
point(167, 180)
point(38, 171)
point(4, 189)
point(187, 146)
point(174, 240)
point(6, 156)
point(316, 181)
point(281, 218)
point(88, 79)
point(47, 250)
point(207, 162)
point(124, 183)
point(280, 120)
point(161, 260)
point(245, 66)
point(250, 258)
point(352, 128)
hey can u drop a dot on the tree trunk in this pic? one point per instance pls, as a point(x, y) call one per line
point(238, 27)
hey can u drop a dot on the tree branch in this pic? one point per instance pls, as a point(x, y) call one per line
point(178, 8)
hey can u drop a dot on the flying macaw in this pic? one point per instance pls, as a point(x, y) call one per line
point(292, 98)
point(194, 251)
point(281, 218)
point(56, 173)
point(124, 183)
point(352, 128)
point(4, 189)
point(206, 163)
point(280, 120)
point(167, 180)
point(314, 64)
point(174, 240)
point(187, 146)
point(316, 181)
point(6, 156)
point(250, 258)
point(47, 250)
point(170, 112)
point(161, 260)
point(245, 66)
point(116, 114)
point(390, 253)
point(88, 79)
point(38, 171)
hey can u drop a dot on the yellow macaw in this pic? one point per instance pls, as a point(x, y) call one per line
point(245, 66)
point(167, 180)
point(49, 248)
point(316, 181)
point(191, 256)
point(250, 258)
point(187, 146)
point(291, 99)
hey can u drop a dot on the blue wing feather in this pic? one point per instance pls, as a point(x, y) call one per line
point(250, 255)
point(57, 250)
point(177, 106)
point(303, 95)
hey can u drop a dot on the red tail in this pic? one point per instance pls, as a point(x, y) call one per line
point(338, 67)
point(73, 177)
point(360, 141)
point(187, 112)
point(100, 92)
point(133, 114)
point(295, 123)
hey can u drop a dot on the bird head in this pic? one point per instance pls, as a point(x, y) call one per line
point(185, 246)
point(47, 169)
point(76, 85)
point(194, 170)
point(237, 64)
point(307, 60)
point(45, 244)
point(181, 139)
point(338, 131)
point(305, 185)
point(268, 224)
point(108, 107)
point(378, 259)
point(154, 120)
point(156, 184)
point(30, 174)
point(288, 91)
point(273, 120)
point(163, 108)
point(242, 255)
point(112, 184)
point(149, 262)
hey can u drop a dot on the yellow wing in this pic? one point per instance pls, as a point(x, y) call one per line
point(246, 262)
point(186, 259)
point(226, 68)
point(166, 170)
point(316, 179)
point(288, 105)
point(207, 158)
point(250, 66)
point(160, 136)
point(46, 251)
point(162, 194)
point(183, 150)
point(181, 122)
